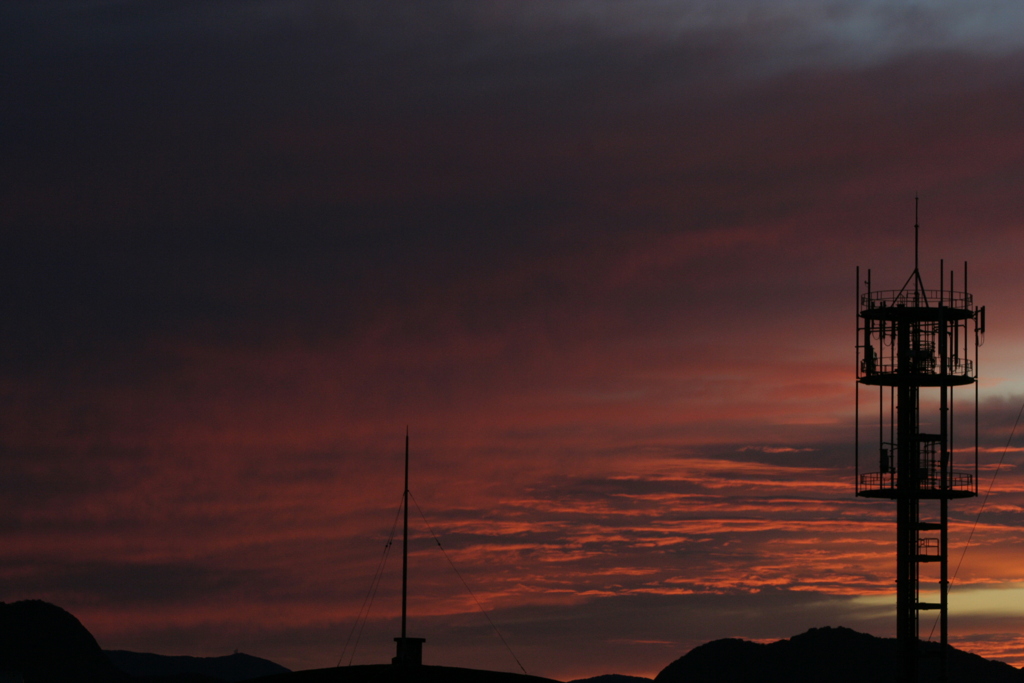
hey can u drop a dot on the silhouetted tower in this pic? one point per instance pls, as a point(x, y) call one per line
point(409, 651)
point(916, 345)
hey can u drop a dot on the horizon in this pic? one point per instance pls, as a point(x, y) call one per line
point(147, 664)
point(598, 257)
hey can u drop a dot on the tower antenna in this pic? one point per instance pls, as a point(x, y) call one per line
point(917, 229)
point(908, 345)
point(405, 533)
point(409, 650)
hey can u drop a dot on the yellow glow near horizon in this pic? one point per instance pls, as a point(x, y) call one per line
point(1003, 600)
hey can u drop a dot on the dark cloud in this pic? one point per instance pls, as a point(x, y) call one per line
point(119, 584)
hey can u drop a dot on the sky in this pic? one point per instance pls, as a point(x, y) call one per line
point(598, 257)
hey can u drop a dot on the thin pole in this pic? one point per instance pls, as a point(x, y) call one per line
point(916, 228)
point(856, 399)
point(967, 305)
point(944, 485)
point(954, 342)
point(942, 285)
point(405, 533)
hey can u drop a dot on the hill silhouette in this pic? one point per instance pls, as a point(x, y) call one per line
point(824, 655)
point(388, 673)
point(42, 643)
point(231, 668)
point(45, 644)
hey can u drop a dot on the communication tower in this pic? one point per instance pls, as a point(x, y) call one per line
point(409, 651)
point(917, 345)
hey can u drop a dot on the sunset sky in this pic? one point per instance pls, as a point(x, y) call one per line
point(599, 257)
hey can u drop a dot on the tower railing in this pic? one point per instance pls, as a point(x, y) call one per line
point(926, 364)
point(889, 481)
point(931, 298)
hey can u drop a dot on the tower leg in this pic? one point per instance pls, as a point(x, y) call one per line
point(944, 591)
point(907, 508)
point(906, 587)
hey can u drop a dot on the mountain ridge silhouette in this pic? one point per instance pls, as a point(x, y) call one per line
point(43, 643)
point(46, 644)
point(825, 655)
point(229, 668)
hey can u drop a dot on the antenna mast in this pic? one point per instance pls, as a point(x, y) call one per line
point(409, 650)
point(405, 534)
point(917, 229)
